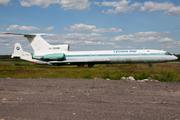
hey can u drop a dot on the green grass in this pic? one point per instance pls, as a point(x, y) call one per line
point(164, 72)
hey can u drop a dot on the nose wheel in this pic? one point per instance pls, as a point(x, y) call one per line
point(150, 64)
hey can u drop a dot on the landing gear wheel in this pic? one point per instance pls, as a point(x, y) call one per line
point(80, 65)
point(90, 65)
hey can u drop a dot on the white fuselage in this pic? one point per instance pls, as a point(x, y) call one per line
point(116, 56)
point(44, 53)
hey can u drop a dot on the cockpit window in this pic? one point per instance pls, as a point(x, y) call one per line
point(167, 53)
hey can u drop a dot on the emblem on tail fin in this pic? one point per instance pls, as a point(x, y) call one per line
point(17, 48)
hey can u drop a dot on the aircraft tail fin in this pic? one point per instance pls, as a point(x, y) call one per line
point(36, 41)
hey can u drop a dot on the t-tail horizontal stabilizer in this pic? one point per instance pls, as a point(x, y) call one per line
point(39, 44)
point(36, 41)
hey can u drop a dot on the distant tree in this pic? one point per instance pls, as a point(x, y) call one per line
point(178, 55)
point(8, 58)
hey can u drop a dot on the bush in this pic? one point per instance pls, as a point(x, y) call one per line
point(105, 76)
point(142, 76)
point(87, 77)
point(167, 76)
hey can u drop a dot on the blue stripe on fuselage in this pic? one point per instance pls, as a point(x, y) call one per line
point(105, 55)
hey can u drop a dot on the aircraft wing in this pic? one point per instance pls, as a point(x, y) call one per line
point(26, 34)
point(80, 61)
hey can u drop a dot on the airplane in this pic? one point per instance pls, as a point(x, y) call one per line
point(46, 54)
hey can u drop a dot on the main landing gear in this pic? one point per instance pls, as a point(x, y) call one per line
point(82, 65)
point(90, 65)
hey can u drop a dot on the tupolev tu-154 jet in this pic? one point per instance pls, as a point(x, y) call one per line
point(46, 54)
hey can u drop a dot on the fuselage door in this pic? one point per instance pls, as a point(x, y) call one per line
point(140, 56)
point(118, 57)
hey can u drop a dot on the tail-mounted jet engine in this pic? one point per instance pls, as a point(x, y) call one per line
point(51, 57)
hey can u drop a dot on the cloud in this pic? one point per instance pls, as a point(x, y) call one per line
point(136, 4)
point(97, 3)
point(121, 6)
point(173, 11)
point(110, 43)
point(75, 4)
point(94, 43)
point(174, 44)
point(97, 43)
point(154, 6)
point(129, 47)
point(165, 40)
point(167, 46)
point(84, 37)
point(4, 2)
point(144, 37)
point(177, 42)
point(90, 28)
point(124, 7)
point(78, 39)
point(29, 28)
point(23, 28)
point(169, 8)
point(116, 4)
point(49, 28)
point(25, 4)
point(152, 33)
point(41, 3)
point(65, 4)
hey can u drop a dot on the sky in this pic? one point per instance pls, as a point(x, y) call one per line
point(92, 24)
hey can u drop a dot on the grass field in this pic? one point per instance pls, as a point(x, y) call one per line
point(164, 72)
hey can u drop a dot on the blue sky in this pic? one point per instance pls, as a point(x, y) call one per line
point(93, 24)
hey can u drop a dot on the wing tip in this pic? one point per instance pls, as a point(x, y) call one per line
point(5, 33)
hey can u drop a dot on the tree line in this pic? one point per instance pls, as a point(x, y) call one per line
point(8, 58)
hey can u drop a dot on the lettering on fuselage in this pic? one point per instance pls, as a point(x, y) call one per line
point(124, 51)
point(54, 48)
point(25, 55)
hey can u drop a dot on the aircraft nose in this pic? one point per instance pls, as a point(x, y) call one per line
point(175, 58)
